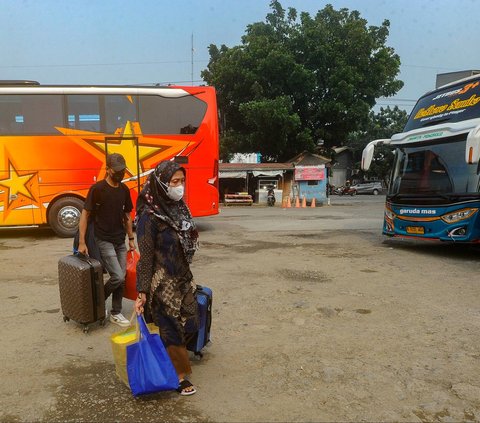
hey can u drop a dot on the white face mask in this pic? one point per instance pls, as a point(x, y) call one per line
point(176, 193)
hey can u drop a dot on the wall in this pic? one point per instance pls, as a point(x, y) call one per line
point(319, 191)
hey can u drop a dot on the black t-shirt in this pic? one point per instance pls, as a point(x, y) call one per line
point(108, 205)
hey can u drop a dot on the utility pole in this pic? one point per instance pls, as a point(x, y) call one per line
point(192, 59)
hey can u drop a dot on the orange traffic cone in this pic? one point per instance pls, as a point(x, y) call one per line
point(289, 202)
point(297, 202)
point(313, 202)
point(304, 202)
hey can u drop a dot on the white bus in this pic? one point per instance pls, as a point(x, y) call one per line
point(434, 186)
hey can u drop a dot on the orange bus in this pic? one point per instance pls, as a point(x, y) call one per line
point(54, 140)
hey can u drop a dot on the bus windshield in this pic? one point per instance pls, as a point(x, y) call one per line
point(454, 103)
point(433, 170)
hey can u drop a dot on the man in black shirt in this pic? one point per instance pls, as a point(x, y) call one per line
point(108, 205)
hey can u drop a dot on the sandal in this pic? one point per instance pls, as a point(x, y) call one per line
point(183, 388)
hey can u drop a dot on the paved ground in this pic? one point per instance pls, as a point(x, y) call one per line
point(316, 318)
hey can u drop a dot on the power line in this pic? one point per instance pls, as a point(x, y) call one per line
point(100, 64)
point(431, 67)
point(395, 98)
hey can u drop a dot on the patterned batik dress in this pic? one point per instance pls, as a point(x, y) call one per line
point(164, 274)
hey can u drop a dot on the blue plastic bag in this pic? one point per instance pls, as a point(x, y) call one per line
point(149, 367)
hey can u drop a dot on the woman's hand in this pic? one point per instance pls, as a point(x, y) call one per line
point(140, 302)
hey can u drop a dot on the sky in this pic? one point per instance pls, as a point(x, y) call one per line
point(150, 41)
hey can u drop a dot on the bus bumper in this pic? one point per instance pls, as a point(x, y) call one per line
point(458, 222)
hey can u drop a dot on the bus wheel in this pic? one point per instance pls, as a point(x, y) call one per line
point(64, 216)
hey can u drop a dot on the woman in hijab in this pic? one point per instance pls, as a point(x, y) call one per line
point(167, 240)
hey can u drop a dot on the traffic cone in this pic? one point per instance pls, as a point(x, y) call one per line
point(297, 202)
point(304, 202)
point(313, 202)
point(289, 202)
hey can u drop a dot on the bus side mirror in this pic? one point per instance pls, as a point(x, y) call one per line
point(472, 149)
point(369, 150)
point(367, 156)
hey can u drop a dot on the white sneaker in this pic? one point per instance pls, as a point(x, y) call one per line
point(119, 319)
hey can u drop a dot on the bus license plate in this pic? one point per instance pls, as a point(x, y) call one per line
point(415, 230)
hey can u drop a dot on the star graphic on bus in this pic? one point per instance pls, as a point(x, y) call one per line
point(150, 149)
point(16, 184)
point(124, 143)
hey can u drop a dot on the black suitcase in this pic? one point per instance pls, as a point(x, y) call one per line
point(201, 338)
point(82, 298)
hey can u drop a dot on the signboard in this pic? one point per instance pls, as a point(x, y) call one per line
point(310, 173)
point(455, 103)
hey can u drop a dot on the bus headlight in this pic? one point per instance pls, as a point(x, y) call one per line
point(458, 215)
point(389, 214)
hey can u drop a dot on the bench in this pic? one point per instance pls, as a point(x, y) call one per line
point(239, 199)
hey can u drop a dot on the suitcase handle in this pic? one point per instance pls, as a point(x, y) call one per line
point(83, 257)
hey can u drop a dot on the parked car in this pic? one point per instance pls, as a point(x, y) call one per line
point(369, 187)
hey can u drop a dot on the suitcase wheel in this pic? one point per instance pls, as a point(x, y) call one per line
point(85, 329)
point(66, 319)
point(102, 322)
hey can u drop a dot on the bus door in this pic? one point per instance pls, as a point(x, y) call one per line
point(128, 147)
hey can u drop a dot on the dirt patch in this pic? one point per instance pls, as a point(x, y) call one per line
point(315, 318)
point(90, 392)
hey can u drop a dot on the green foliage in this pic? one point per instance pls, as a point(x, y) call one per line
point(381, 125)
point(297, 79)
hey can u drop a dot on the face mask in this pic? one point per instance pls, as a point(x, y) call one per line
point(175, 193)
point(118, 176)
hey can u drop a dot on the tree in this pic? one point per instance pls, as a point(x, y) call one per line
point(381, 125)
point(296, 80)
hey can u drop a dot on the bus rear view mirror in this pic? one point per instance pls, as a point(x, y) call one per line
point(367, 155)
point(472, 149)
point(369, 150)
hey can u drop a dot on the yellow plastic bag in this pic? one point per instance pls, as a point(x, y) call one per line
point(119, 342)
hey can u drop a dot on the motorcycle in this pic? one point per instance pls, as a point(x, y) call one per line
point(347, 191)
point(271, 197)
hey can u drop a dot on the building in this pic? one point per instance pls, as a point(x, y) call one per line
point(305, 175)
point(342, 168)
point(255, 178)
point(445, 78)
point(310, 177)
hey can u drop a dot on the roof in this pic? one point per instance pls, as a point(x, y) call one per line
point(309, 159)
point(339, 150)
point(225, 167)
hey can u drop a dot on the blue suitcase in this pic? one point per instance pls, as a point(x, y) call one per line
point(200, 338)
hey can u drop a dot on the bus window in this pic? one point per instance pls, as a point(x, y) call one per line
point(30, 114)
point(11, 115)
point(118, 110)
point(159, 115)
point(41, 114)
point(83, 112)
